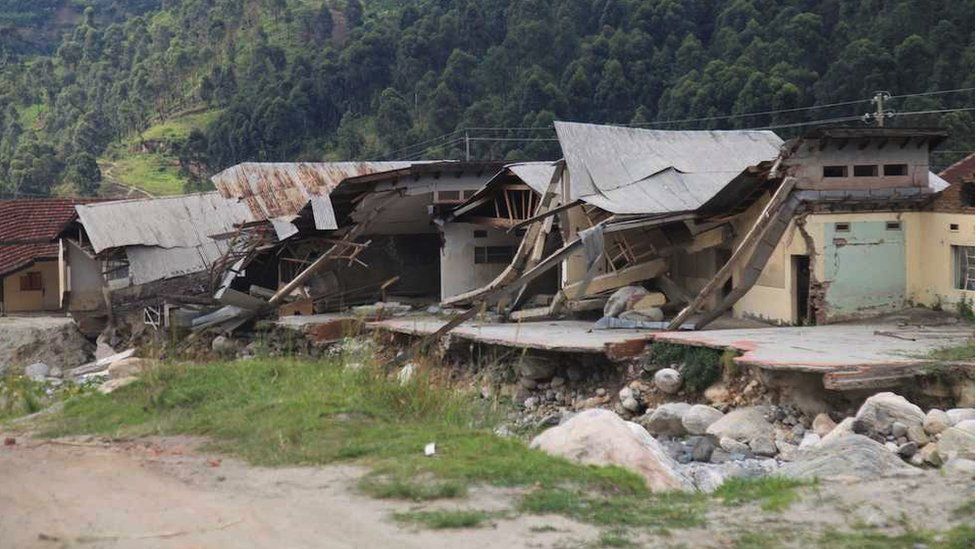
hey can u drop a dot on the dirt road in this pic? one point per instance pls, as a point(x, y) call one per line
point(163, 492)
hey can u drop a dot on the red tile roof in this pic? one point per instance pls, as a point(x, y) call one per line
point(29, 229)
point(960, 171)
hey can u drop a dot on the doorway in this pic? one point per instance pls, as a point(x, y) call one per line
point(801, 290)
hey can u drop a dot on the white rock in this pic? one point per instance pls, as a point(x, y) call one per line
point(744, 425)
point(822, 424)
point(848, 455)
point(881, 410)
point(960, 414)
point(630, 404)
point(699, 417)
point(668, 380)
point(733, 446)
point(956, 443)
point(966, 425)
point(964, 466)
point(601, 437)
point(810, 440)
point(936, 421)
point(37, 371)
point(844, 428)
point(667, 419)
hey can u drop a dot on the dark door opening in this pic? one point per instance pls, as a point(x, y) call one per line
point(801, 290)
point(722, 256)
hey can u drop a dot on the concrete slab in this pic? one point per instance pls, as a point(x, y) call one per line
point(568, 336)
point(849, 355)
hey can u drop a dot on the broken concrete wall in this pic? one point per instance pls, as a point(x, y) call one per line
point(864, 267)
point(51, 340)
point(85, 280)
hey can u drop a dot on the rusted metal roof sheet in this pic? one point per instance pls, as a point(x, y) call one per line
point(638, 171)
point(275, 189)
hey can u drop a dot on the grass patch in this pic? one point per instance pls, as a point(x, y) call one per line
point(615, 538)
point(177, 129)
point(959, 537)
point(955, 353)
point(441, 520)
point(384, 488)
point(157, 174)
point(773, 494)
point(700, 366)
point(662, 510)
point(285, 411)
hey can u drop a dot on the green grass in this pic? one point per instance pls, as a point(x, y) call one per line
point(177, 129)
point(959, 537)
point(440, 520)
point(615, 538)
point(30, 114)
point(773, 494)
point(661, 510)
point(283, 411)
point(955, 353)
point(155, 173)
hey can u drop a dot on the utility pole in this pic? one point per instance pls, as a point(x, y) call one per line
point(880, 114)
point(467, 147)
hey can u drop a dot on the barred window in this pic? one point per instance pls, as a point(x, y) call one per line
point(962, 267)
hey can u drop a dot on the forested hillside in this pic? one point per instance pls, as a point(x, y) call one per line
point(197, 85)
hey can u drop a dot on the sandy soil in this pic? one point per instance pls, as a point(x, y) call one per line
point(169, 493)
point(164, 492)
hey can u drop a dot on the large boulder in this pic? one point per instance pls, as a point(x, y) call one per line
point(699, 417)
point(936, 421)
point(844, 428)
point(956, 443)
point(623, 299)
point(744, 425)
point(881, 410)
point(960, 414)
point(845, 456)
point(601, 437)
point(667, 419)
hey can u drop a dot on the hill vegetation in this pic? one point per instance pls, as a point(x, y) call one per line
point(210, 83)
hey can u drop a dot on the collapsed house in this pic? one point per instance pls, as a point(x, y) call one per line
point(343, 233)
point(828, 227)
point(40, 268)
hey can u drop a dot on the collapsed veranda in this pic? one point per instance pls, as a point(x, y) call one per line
point(839, 224)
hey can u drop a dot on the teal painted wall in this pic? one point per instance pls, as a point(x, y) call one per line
point(864, 269)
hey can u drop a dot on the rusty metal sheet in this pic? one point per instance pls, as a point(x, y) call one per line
point(275, 189)
point(637, 171)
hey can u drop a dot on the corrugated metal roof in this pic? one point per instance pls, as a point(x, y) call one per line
point(275, 189)
point(164, 237)
point(535, 174)
point(637, 171)
point(168, 222)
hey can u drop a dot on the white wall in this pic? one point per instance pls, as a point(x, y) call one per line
point(459, 273)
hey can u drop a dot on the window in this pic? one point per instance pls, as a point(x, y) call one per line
point(895, 169)
point(954, 227)
point(469, 193)
point(866, 170)
point(493, 254)
point(962, 267)
point(842, 227)
point(835, 171)
point(31, 282)
point(892, 225)
point(115, 269)
point(480, 233)
point(441, 197)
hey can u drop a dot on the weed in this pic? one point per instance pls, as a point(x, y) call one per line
point(662, 510)
point(543, 529)
point(440, 520)
point(615, 538)
point(700, 366)
point(965, 309)
point(960, 537)
point(417, 491)
point(773, 493)
point(955, 353)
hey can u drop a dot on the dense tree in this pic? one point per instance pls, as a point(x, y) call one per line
point(288, 79)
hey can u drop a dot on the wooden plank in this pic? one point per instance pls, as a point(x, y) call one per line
point(621, 278)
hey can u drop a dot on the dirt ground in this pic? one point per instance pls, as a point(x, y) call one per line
point(169, 493)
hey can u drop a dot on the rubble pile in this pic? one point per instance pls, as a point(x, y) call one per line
point(54, 342)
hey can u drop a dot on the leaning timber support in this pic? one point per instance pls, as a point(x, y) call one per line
point(769, 214)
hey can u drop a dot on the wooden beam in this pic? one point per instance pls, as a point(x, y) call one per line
point(768, 214)
point(621, 278)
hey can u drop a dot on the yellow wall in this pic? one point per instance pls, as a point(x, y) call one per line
point(47, 299)
point(930, 276)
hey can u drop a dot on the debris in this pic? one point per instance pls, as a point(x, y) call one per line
point(623, 299)
point(9, 441)
point(430, 449)
point(406, 373)
point(100, 365)
point(127, 367)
